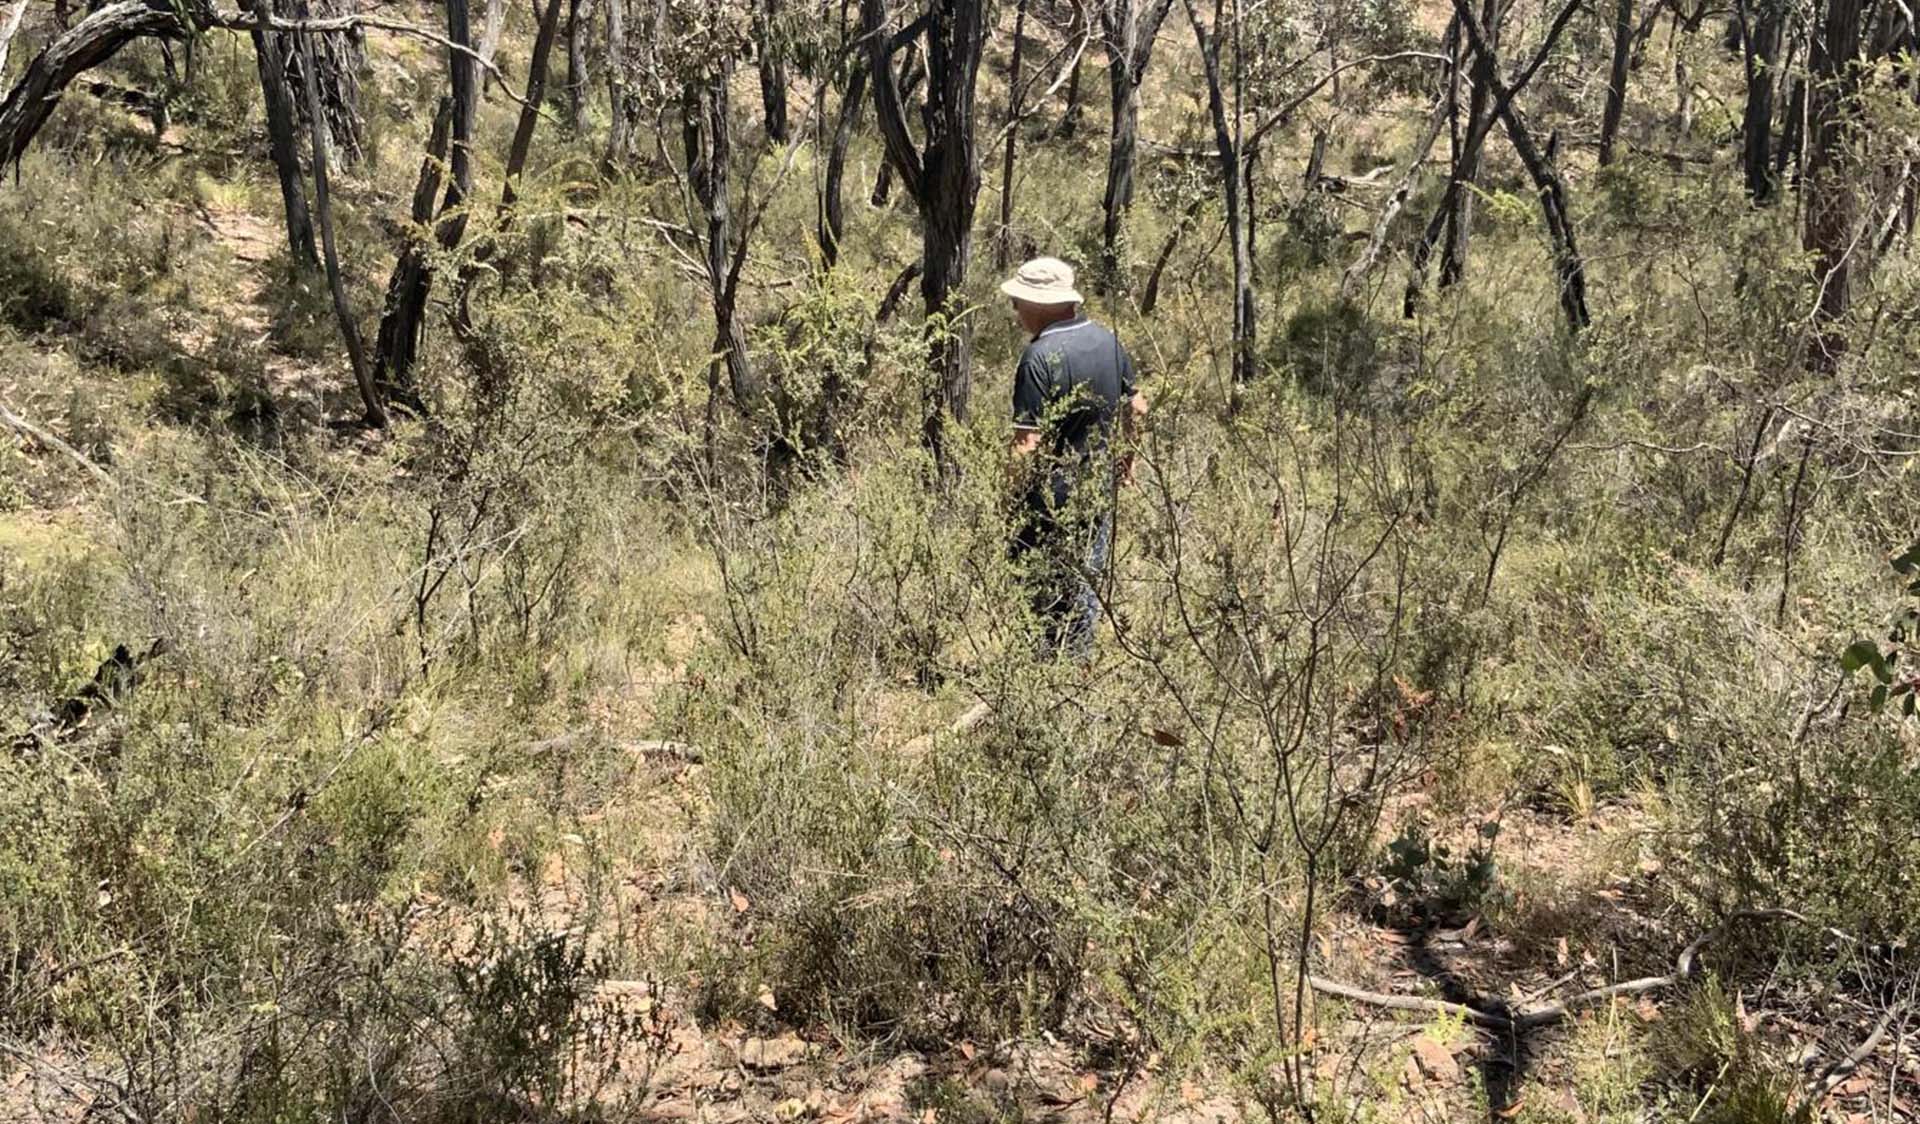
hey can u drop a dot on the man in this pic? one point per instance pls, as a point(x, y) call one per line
point(1073, 383)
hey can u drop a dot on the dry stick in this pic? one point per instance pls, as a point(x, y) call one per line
point(33, 432)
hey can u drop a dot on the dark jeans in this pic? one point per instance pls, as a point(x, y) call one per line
point(1063, 561)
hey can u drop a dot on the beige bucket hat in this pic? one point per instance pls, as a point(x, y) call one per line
point(1042, 281)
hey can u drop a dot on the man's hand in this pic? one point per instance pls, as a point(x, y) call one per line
point(1020, 449)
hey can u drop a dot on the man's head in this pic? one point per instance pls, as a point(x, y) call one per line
point(1042, 293)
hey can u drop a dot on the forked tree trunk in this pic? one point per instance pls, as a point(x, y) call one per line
point(1130, 28)
point(912, 75)
point(1569, 269)
point(943, 179)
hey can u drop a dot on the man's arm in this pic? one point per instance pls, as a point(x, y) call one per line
point(1133, 419)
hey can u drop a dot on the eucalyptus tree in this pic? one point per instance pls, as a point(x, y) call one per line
point(941, 174)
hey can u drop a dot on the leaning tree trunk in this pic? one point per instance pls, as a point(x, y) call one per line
point(376, 413)
point(91, 42)
point(833, 210)
point(1617, 79)
point(282, 144)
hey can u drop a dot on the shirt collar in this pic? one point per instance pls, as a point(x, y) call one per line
point(1077, 320)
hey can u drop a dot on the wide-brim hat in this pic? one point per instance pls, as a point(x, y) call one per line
point(1042, 281)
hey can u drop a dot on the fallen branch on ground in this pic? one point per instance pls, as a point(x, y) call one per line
point(40, 436)
point(1830, 1080)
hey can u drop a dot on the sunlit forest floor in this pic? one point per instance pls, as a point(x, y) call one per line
point(677, 790)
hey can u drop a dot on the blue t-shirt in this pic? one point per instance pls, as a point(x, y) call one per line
point(1073, 380)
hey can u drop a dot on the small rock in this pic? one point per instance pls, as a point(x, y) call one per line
point(1434, 1061)
point(772, 1053)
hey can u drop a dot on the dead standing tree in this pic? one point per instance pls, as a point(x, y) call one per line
point(943, 178)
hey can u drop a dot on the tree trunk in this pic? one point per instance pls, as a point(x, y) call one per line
point(376, 413)
point(707, 132)
point(833, 218)
point(773, 70)
point(1130, 34)
point(91, 42)
point(1759, 45)
point(1070, 117)
point(1830, 203)
point(579, 26)
point(490, 39)
point(1617, 79)
point(1568, 267)
point(282, 145)
point(1460, 195)
point(398, 343)
point(11, 29)
point(619, 125)
point(1150, 296)
point(883, 179)
point(1234, 176)
point(944, 181)
point(1003, 237)
point(412, 280)
point(340, 56)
